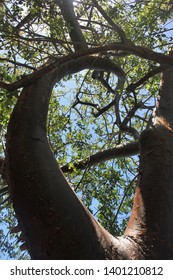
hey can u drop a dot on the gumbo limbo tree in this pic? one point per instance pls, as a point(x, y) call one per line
point(104, 69)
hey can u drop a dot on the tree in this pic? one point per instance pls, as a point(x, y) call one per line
point(124, 46)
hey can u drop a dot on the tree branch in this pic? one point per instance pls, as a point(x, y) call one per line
point(4, 201)
point(119, 30)
point(25, 20)
point(76, 35)
point(150, 74)
point(4, 191)
point(45, 189)
point(17, 63)
point(129, 149)
point(142, 52)
point(105, 65)
point(104, 109)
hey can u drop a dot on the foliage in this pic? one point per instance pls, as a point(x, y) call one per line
point(34, 31)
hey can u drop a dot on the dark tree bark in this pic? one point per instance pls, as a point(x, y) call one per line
point(54, 223)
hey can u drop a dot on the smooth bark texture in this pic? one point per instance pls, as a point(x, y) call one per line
point(75, 33)
point(49, 212)
point(151, 222)
point(128, 47)
point(54, 223)
point(129, 149)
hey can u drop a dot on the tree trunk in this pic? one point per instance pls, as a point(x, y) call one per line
point(54, 223)
point(151, 222)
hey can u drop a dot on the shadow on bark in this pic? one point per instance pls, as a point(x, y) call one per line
point(54, 223)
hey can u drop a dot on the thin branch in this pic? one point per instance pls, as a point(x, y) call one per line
point(25, 20)
point(4, 201)
point(119, 30)
point(3, 191)
point(129, 149)
point(85, 103)
point(122, 200)
point(17, 63)
point(79, 183)
point(104, 109)
point(130, 130)
point(37, 38)
point(130, 114)
point(150, 74)
point(98, 75)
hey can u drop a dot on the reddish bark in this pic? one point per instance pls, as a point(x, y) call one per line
point(54, 222)
point(151, 222)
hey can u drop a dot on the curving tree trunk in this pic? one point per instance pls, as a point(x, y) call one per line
point(54, 223)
